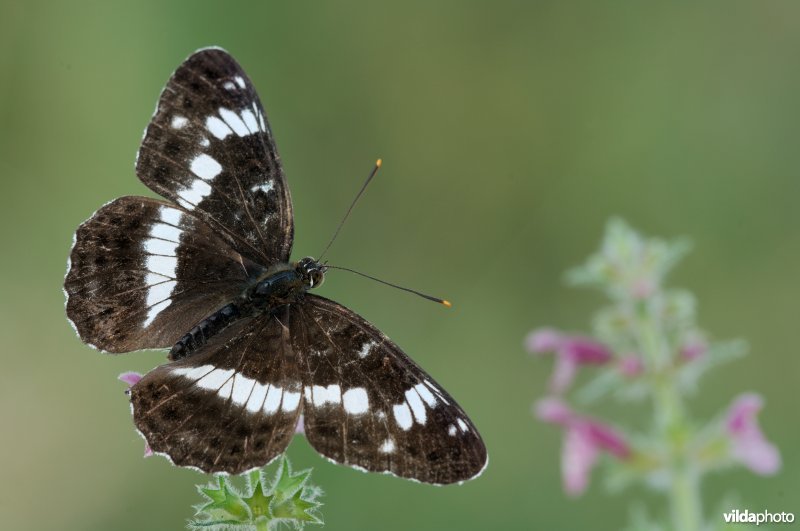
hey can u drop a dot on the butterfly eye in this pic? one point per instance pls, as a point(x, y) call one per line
point(317, 278)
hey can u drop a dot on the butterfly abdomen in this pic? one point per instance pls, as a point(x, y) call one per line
point(205, 329)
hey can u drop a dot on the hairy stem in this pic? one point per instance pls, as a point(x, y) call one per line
point(671, 423)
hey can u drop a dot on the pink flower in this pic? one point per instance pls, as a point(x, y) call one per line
point(631, 365)
point(693, 349)
point(132, 378)
point(584, 439)
point(748, 444)
point(571, 351)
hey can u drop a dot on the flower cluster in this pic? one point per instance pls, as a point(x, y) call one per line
point(646, 347)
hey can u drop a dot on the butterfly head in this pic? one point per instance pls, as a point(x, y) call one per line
point(311, 272)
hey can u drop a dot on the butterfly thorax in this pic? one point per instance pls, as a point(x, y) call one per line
point(277, 287)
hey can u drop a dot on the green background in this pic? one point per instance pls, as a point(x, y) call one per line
point(510, 132)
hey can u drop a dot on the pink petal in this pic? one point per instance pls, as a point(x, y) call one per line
point(563, 374)
point(586, 351)
point(300, 428)
point(147, 450)
point(130, 378)
point(553, 410)
point(543, 340)
point(693, 350)
point(748, 443)
point(578, 457)
point(631, 366)
point(743, 411)
point(607, 438)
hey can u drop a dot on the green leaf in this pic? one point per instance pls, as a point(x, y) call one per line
point(258, 502)
point(288, 484)
point(224, 501)
point(297, 508)
point(291, 500)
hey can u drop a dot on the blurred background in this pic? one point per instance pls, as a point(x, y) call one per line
point(510, 132)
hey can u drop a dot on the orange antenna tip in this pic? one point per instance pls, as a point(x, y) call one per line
point(378, 163)
point(447, 303)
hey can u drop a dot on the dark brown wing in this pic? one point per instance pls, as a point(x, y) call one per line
point(142, 272)
point(369, 406)
point(230, 407)
point(209, 149)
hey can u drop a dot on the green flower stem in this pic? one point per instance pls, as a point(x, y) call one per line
point(673, 427)
point(684, 499)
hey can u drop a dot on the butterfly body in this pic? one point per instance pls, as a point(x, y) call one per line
point(281, 285)
point(261, 352)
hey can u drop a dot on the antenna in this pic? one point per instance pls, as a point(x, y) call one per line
point(347, 214)
point(443, 302)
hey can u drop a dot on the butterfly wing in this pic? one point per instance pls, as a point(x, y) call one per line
point(231, 406)
point(369, 406)
point(209, 149)
point(142, 272)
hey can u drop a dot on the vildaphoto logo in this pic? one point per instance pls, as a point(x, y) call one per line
point(736, 516)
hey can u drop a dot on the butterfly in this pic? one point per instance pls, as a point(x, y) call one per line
point(206, 272)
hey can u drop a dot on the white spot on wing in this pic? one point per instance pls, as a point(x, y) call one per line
point(355, 401)
point(162, 239)
point(179, 122)
point(365, 348)
point(225, 390)
point(157, 246)
point(257, 397)
point(261, 121)
point(192, 196)
point(153, 312)
point(242, 387)
point(451, 430)
point(273, 400)
point(417, 407)
point(425, 394)
point(257, 113)
point(234, 121)
point(165, 232)
point(402, 415)
point(250, 120)
point(325, 395)
point(387, 447)
point(163, 265)
point(215, 379)
point(205, 142)
point(205, 166)
point(151, 279)
point(160, 292)
point(436, 392)
point(239, 81)
point(264, 187)
point(291, 400)
point(217, 127)
point(193, 373)
point(462, 425)
point(229, 85)
point(170, 215)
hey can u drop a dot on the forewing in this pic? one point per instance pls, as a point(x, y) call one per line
point(209, 148)
point(369, 406)
point(143, 272)
point(230, 407)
